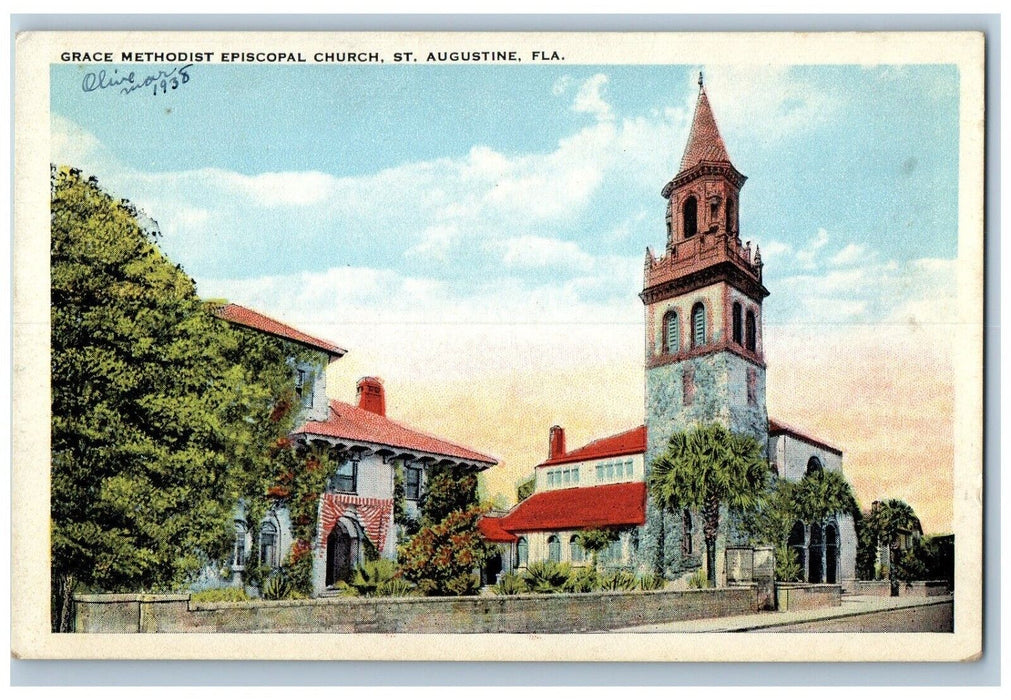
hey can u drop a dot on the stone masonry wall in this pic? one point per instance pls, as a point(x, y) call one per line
point(575, 612)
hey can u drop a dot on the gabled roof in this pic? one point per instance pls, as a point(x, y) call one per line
point(630, 442)
point(491, 530)
point(704, 140)
point(354, 424)
point(242, 316)
point(610, 505)
point(779, 428)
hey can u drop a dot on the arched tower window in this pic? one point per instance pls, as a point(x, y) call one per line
point(698, 325)
point(554, 548)
point(690, 216)
point(671, 332)
point(814, 465)
point(749, 330)
point(737, 323)
point(731, 213)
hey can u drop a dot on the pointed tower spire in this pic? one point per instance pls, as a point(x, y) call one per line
point(704, 140)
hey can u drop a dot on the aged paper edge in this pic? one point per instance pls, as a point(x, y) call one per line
point(30, 484)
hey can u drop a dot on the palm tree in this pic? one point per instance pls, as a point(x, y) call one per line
point(704, 468)
point(822, 494)
point(888, 519)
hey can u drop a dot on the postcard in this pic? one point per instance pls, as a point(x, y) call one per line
point(487, 346)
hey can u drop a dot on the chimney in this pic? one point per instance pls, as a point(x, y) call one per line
point(556, 442)
point(371, 396)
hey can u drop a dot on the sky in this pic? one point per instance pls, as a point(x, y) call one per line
point(475, 235)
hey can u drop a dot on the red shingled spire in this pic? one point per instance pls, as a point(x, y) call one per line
point(704, 140)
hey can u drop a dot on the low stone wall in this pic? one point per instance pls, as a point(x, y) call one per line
point(913, 589)
point(573, 612)
point(805, 596)
point(922, 589)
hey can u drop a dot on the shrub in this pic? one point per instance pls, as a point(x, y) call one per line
point(370, 576)
point(277, 586)
point(651, 582)
point(220, 595)
point(510, 584)
point(395, 588)
point(698, 579)
point(619, 581)
point(547, 577)
point(583, 580)
point(787, 567)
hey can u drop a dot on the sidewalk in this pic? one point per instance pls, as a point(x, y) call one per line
point(851, 606)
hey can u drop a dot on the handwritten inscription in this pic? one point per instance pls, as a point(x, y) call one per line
point(162, 82)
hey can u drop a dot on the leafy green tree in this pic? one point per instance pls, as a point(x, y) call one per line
point(162, 414)
point(821, 494)
point(704, 468)
point(525, 489)
point(448, 489)
point(596, 541)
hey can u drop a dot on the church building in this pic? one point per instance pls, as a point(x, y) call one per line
point(704, 363)
point(356, 511)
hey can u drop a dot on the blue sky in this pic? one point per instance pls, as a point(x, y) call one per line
point(255, 171)
point(475, 235)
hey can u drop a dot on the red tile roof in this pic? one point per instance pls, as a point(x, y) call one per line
point(356, 424)
point(629, 442)
point(778, 428)
point(704, 141)
point(253, 319)
point(588, 507)
point(491, 530)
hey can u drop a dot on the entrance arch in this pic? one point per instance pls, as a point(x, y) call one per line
point(797, 546)
point(831, 553)
point(815, 553)
point(343, 550)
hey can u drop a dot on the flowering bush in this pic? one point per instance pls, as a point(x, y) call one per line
point(442, 559)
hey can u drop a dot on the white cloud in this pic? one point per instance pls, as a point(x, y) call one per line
point(536, 251)
point(850, 254)
point(589, 100)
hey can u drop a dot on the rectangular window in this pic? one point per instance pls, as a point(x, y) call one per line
point(575, 475)
point(345, 480)
point(628, 468)
point(600, 472)
point(610, 471)
point(412, 483)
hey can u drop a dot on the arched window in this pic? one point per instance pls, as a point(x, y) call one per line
point(731, 213)
point(690, 216)
point(749, 330)
point(831, 553)
point(554, 548)
point(815, 553)
point(737, 324)
point(698, 325)
point(687, 528)
point(521, 551)
point(814, 465)
point(268, 544)
point(575, 550)
point(239, 553)
point(671, 332)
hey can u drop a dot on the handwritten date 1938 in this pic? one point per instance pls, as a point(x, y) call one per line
point(162, 82)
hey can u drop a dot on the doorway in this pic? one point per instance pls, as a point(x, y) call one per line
point(343, 551)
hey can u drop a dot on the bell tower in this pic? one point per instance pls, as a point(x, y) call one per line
point(704, 356)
